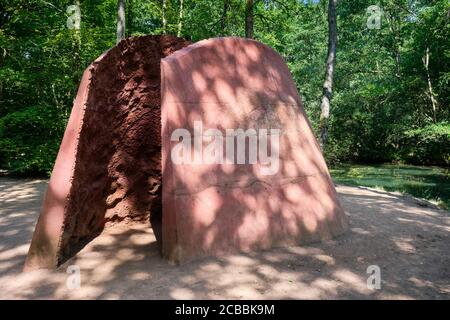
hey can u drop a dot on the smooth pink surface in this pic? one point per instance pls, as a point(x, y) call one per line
point(43, 252)
point(211, 209)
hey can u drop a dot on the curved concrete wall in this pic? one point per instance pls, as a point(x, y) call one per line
point(215, 208)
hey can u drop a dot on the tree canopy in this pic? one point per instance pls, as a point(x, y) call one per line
point(390, 98)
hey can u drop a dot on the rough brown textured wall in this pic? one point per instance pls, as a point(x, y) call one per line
point(117, 175)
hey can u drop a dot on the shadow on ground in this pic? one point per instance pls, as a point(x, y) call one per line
point(408, 242)
point(20, 202)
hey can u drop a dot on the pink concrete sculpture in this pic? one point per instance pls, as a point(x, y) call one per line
point(234, 166)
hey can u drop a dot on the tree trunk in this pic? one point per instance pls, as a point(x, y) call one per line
point(120, 20)
point(426, 61)
point(223, 20)
point(396, 35)
point(78, 37)
point(180, 21)
point(249, 19)
point(164, 19)
point(77, 43)
point(328, 84)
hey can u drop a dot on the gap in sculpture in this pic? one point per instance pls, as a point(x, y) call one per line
point(115, 162)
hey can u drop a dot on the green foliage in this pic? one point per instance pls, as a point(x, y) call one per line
point(378, 99)
point(29, 140)
point(428, 144)
point(381, 110)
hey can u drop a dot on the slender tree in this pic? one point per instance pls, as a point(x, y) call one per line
point(223, 19)
point(426, 62)
point(77, 38)
point(249, 19)
point(394, 28)
point(328, 84)
point(164, 19)
point(120, 20)
point(180, 19)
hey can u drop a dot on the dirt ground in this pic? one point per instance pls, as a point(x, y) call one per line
point(410, 243)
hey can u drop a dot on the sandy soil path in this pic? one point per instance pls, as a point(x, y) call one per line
point(409, 242)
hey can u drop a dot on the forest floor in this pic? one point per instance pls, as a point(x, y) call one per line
point(408, 239)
